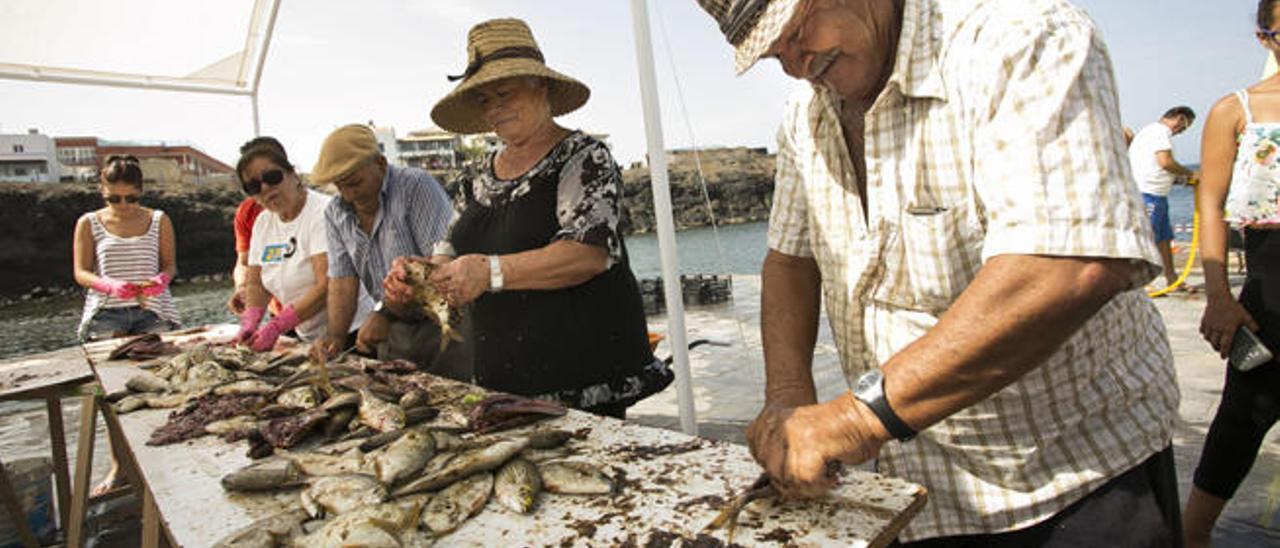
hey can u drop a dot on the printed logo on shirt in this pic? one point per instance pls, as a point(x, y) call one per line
point(274, 253)
point(279, 252)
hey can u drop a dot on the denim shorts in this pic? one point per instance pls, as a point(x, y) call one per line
point(1158, 212)
point(129, 320)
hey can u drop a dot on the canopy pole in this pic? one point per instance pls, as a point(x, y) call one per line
point(253, 100)
point(674, 293)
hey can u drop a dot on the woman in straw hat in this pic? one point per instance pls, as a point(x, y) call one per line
point(535, 245)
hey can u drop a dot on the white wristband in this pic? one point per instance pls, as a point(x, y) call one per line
point(495, 274)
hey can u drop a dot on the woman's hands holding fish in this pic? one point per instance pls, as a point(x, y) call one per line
point(397, 290)
point(798, 444)
point(463, 279)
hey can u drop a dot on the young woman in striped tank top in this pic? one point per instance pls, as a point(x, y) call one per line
point(124, 256)
point(1240, 159)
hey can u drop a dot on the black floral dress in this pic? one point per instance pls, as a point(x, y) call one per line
point(585, 346)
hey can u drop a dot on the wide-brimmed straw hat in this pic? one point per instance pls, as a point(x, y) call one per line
point(496, 50)
point(751, 26)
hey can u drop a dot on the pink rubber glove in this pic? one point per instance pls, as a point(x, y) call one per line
point(115, 288)
point(265, 338)
point(158, 284)
point(249, 323)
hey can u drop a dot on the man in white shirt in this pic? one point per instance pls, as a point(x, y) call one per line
point(1151, 156)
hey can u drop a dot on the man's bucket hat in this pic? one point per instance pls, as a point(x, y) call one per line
point(751, 26)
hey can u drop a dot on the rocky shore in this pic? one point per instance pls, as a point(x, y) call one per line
point(37, 220)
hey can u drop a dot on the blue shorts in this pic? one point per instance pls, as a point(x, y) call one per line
point(1158, 213)
point(129, 320)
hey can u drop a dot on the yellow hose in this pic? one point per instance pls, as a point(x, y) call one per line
point(1195, 243)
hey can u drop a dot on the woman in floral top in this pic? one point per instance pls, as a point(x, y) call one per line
point(1241, 175)
point(556, 311)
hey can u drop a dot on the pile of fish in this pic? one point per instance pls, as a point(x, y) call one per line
point(278, 400)
point(420, 486)
point(381, 454)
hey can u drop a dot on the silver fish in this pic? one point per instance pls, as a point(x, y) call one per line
point(240, 424)
point(267, 476)
point(380, 415)
point(341, 494)
point(323, 464)
point(576, 478)
point(517, 484)
point(146, 381)
point(466, 464)
point(267, 532)
point(403, 457)
point(244, 386)
point(304, 397)
point(457, 502)
point(130, 404)
point(375, 525)
point(432, 302)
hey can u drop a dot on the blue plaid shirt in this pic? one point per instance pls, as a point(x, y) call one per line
point(413, 213)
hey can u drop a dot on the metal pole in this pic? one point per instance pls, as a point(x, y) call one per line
point(676, 335)
point(253, 99)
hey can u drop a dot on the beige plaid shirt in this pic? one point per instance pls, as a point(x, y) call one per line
point(998, 133)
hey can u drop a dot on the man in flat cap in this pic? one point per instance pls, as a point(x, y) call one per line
point(385, 212)
point(953, 185)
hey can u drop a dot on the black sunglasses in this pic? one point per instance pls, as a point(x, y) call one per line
point(271, 177)
point(116, 198)
point(1269, 35)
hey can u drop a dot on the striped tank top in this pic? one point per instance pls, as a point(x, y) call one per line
point(135, 259)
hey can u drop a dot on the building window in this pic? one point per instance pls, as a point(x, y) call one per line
point(18, 148)
point(19, 171)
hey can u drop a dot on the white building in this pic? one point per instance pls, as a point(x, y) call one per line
point(28, 158)
point(431, 149)
point(387, 144)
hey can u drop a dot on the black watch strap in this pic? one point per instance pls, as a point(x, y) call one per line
point(870, 390)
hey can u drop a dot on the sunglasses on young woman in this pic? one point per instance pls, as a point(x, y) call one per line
point(271, 177)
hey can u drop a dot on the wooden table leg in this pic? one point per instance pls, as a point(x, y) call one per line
point(150, 521)
point(16, 514)
point(84, 471)
point(58, 439)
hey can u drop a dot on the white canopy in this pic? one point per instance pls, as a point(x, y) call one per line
point(225, 57)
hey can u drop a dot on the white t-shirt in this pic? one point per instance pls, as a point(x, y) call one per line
point(284, 251)
point(1152, 179)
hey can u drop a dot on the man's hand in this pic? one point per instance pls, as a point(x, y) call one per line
point(796, 444)
point(324, 349)
point(371, 333)
point(1222, 316)
point(462, 280)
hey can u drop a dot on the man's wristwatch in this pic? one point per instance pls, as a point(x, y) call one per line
point(495, 274)
point(380, 308)
point(870, 390)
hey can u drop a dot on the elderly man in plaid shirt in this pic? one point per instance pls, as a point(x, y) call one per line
point(952, 185)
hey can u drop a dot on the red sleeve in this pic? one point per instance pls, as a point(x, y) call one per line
point(246, 214)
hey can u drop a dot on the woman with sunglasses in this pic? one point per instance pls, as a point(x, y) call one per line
point(288, 252)
point(124, 255)
point(1240, 186)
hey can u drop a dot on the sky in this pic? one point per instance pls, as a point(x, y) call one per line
point(337, 62)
